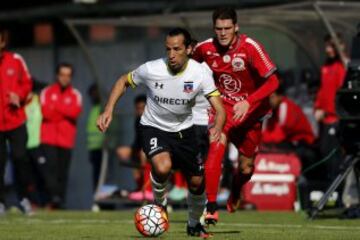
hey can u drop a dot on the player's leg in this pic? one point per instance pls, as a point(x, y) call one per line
point(241, 176)
point(155, 144)
point(248, 140)
point(161, 169)
point(213, 171)
point(196, 204)
point(24, 180)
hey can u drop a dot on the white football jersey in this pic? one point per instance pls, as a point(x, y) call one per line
point(170, 97)
point(202, 105)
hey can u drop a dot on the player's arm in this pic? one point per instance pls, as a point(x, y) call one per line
point(262, 64)
point(220, 117)
point(117, 91)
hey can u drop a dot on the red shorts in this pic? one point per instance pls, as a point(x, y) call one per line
point(245, 135)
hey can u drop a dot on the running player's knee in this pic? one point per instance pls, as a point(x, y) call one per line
point(196, 185)
point(161, 165)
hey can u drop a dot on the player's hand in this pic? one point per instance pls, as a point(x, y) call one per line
point(215, 134)
point(14, 99)
point(319, 115)
point(104, 120)
point(240, 110)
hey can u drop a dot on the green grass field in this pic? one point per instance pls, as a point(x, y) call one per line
point(119, 225)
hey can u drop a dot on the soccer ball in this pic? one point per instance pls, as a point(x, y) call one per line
point(151, 220)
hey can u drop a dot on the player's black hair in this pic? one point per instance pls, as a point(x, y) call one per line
point(3, 33)
point(140, 99)
point(224, 13)
point(181, 31)
point(66, 65)
point(280, 90)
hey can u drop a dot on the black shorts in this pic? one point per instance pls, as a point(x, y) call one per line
point(182, 146)
point(202, 138)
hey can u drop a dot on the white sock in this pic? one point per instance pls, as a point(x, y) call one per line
point(159, 190)
point(196, 206)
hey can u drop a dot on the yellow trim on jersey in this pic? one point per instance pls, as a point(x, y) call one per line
point(130, 80)
point(214, 93)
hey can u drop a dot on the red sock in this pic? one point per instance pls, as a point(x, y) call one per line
point(179, 180)
point(147, 182)
point(213, 170)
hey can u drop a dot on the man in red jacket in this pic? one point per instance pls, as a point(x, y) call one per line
point(15, 85)
point(244, 74)
point(332, 77)
point(288, 128)
point(61, 105)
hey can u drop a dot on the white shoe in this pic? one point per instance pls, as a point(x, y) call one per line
point(26, 207)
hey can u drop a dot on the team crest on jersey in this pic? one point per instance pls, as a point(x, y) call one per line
point(226, 58)
point(10, 71)
point(238, 64)
point(188, 87)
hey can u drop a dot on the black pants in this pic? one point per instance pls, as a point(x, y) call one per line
point(55, 170)
point(17, 139)
point(95, 160)
point(328, 141)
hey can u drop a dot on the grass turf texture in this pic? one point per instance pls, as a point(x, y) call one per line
point(119, 225)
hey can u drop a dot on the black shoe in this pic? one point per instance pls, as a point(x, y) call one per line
point(197, 231)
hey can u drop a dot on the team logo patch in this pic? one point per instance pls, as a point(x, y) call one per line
point(226, 58)
point(159, 85)
point(229, 84)
point(10, 71)
point(67, 100)
point(238, 64)
point(188, 87)
point(54, 97)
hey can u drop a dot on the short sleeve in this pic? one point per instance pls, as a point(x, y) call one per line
point(259, 59)
point(208, 86)
point(137, 76)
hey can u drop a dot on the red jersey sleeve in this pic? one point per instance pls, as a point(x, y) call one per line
point(259, 59)
point(25, 83)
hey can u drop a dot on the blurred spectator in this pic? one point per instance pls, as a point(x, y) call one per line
point(15, 85)
point(332, 77)
point(179, 189)
point(142, 174)
point(288, 128)
point(61, 105)
point(95, 138)
point(33, 125)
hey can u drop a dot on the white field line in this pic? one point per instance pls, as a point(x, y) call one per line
point(31, 221)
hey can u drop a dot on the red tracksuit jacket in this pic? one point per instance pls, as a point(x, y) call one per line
point(332, 78)
point(60, 109)
point(14, 77)
point(288, 124)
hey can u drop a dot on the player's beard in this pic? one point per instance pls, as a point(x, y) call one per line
point(176, 68)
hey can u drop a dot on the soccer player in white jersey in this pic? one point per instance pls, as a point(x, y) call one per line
point(172, 85)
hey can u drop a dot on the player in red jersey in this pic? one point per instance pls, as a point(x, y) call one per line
point(244, 74)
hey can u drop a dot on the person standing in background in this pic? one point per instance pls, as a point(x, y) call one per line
point(61, 105)
point(33, 126)
point(332, 77)
point(95, 139)
point(15, 85)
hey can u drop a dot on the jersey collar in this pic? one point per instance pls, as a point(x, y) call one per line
point(179, 73)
